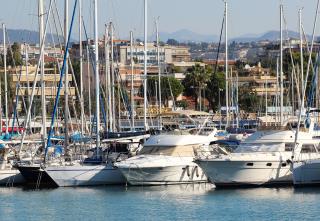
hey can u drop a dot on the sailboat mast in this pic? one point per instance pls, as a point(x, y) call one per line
point(145, 65)
point(43, 95)
point(97, 78)
point(89, 85)
point(113, 80)
point(108, 78)
point(301, 49)
point(266, 95)
point(81, 67)
point(226, 62)
point(132, 81)
point(277, 88)
point(107, 66)
point(281, 65)
point(66, 108)
point(5, 76)
point(27, 68)
point(159, 72)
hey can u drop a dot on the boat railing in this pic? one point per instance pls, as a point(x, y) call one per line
point(210, 151)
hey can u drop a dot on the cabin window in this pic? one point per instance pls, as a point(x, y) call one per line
point(250, 164)
point(289, 147)
point(283, 164)
point(269, 164)
point(308, 148)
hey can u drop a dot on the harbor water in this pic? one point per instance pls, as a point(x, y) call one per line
point(182, 202)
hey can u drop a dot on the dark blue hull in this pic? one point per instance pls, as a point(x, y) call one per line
point(36, 177)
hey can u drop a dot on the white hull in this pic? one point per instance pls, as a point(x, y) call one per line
point(306, 172)
point(238, 173)
point(10, 177)
point(162, 170)
point(259, 160)
point(85, 175)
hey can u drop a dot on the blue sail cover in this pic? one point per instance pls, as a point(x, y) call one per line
point(58, 150)
point(78, 137)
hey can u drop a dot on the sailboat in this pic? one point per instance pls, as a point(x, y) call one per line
point(32, 170)
point(97, 170)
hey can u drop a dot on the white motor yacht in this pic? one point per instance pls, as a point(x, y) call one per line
point(262, 159)
point(166, 159)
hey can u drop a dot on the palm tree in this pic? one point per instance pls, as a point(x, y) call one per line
point(196, 80)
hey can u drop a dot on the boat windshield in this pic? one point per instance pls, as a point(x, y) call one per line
point(187, 150)
point(260, 147)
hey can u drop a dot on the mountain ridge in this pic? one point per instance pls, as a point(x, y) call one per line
point(182, 35)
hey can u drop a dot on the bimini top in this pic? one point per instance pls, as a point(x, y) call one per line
point(177, 140)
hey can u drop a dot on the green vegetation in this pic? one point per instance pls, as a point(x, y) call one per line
point(196, 81)
point(167, 83)
point(215, 90)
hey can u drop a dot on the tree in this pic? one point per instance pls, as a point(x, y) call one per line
point(170, 86)
point(176, 69)
point(14, 57)
point(182, 103)
point(248, 100)
point(196, 80)
point(216, 90)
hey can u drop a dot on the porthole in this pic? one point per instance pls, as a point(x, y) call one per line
point(250, 164)
point(283, 164)
point(269, 164)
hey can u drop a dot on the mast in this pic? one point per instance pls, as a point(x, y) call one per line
point(27, 75)
point(107, 73)
point(81, 67)
point(145, 65)
point(277, 89)
point(237, 98)
point(301, 49)
point(89, 84)
point(43, 95)
point(226, 61)
point(27, 68)
point(97, 79)
point(5, 76)
point(113, 80)
point(159, 72)
point(66, 108)
point(266, 98)
point(108, 80)
point(132, 81)
point(281, 66)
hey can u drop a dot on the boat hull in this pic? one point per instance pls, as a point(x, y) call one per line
point(85, 175)
point(36, 176)
point(10, 177)
point(240, 173)
point(306, 173)
point(167, 175)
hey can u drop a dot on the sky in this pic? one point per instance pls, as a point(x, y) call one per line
point(200, 16)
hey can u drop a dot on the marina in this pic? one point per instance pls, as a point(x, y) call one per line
point(99, 125)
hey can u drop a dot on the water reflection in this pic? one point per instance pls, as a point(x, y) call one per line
point(176, 202)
